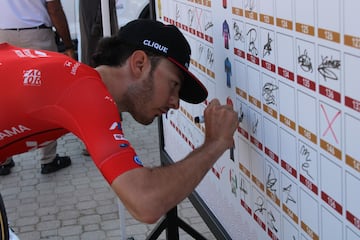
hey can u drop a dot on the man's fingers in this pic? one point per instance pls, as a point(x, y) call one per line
point(229, 107)
point(214, 102)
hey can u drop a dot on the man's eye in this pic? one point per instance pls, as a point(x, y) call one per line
point(175, 84)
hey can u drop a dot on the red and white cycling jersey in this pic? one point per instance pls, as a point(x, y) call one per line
point(45, 95)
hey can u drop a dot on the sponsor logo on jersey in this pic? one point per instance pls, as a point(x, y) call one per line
point(68, 63)
point(29, 53)
point(108, 98)
point(32, 77)
point(119, 137)
point(138, 161)
point(115, 125)
point(73, 65)
point(13, 131)
point(75, 68)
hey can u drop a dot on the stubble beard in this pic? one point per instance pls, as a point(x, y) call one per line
point(138, 98)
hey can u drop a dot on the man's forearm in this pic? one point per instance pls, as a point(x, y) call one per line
point(150, 193)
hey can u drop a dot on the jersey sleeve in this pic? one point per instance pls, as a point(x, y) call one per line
point(89, 112)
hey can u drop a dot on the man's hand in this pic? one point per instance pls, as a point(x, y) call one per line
point(221, 122)
point(70, 53)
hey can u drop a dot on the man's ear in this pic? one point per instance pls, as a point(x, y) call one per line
point(138, 63)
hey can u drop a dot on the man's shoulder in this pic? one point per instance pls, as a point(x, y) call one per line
point(7, 50)
point(18, 57)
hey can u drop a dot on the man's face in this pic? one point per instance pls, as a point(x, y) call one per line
point(156, 93)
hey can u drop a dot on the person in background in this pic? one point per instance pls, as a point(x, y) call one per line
point(29, 24)
point(143, 70)
point(91, 28)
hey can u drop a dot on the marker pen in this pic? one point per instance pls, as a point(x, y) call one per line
point(199, 119)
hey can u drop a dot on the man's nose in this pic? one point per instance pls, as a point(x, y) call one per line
point(174, 102)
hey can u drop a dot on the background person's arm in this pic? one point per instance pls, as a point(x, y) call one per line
point(60, 23)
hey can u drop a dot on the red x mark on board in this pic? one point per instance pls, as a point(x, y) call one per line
point(198, 17)
point(330, 123)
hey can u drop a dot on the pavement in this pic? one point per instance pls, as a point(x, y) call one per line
point(76, 202)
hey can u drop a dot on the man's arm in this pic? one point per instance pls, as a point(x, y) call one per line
point(60, 23)
point(149, 193)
